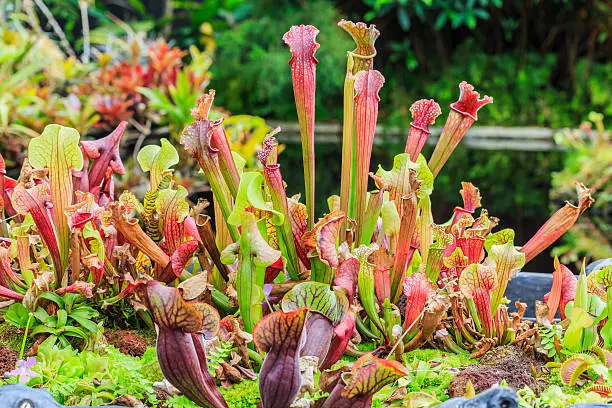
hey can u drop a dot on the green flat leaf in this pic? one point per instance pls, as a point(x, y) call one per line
point(87, 324)
point(85, 312)
point(62, 318)
point(53, 298)
point(75, 332)
point(41, 315)
point(40, 329)
point(18, 315)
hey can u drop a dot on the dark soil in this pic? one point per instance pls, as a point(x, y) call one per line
point(502, 363)
point(8, 360)
point(127, 342)
point(162, 397)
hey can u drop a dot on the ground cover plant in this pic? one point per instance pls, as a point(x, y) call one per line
point(261, 289)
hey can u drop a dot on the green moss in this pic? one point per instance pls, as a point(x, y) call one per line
point(431, 372)
point(242, 395)
point(11, 338)
point(150, 368)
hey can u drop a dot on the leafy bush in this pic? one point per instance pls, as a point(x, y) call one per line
point(589, 158)
point(253, 75)
point(522, 87)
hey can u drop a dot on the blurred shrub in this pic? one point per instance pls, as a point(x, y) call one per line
point(522, 92)
point(589, 160)
point(251, 73)
point(442, 12)
point(32, 70)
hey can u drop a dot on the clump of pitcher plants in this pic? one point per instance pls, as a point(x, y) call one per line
point(376, 265)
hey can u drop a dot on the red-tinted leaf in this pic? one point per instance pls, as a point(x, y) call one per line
point(405, 251)
point(6, 186)
point(472, 246)
point(456, 263)
point(11, 294)
point(273, 270)
point(368, 375)
point(471, 196)
point(104, 153)
point(180, 346)
point(382, 282)
point(342, 336)
point(7, 275)
point(196, 138)
point(191, 229)
point(210, 319)
point(469, 101)
point(508, 262)
point(80, 287)
point(302, 43)
point(424, 113)
point(36, 202)
point(131, 231)
point(183, 362)
point(172, 208)
point(220, 143)
point(367, 86)
point(83, 211)
point(562, 292)
point(57, 151)
point(417, 289)
point(461, 117)
point(476, 282)
point(318, 333)
point(280, 335)
point(346, 277)
point(276, 188)
point(168, 308)
point(95, 266)
point(324, 236)
point(299, 225)
point(558, 224)
point(180, 257)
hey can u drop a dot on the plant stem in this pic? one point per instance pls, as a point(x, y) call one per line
point(25, 336)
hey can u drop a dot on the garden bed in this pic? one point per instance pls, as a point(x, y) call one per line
point(435, 376)
point(266, 304)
